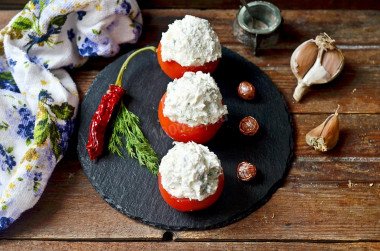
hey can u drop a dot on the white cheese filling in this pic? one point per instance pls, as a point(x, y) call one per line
point(194, 100)
point(190, 42)
point(190, 170)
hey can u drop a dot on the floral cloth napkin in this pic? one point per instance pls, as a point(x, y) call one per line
point(38, 99)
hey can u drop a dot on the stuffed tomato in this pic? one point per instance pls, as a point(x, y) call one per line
point(192, 108)
point(189, 44)
point(190, 177)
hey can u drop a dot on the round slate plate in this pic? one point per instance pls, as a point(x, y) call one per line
point(133, 190)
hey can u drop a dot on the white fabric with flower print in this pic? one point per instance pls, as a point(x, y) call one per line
point(38, 98)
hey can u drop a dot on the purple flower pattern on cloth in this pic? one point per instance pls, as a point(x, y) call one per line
point(7, 161)
point(7, 82)
point(38, 99)
point(81, 14)
point(5, 222)
point(66, 130)
point(12, 63)
point(88, 48)
point(70, 34)
point(26, 126)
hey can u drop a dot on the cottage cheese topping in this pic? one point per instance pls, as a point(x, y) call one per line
point(190, 170)
point(193, 100)
point(190, 42)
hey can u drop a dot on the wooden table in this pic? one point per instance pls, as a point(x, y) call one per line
point(329, 200)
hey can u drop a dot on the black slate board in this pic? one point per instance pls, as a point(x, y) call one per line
point(133, 190)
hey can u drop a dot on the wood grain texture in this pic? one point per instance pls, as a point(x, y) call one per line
point(350, 27)
point(328, 200)
point(359, 136)
point(66, 245)
point(321, 199)
point(357, 88)
point(346, 27)
point(223, 4)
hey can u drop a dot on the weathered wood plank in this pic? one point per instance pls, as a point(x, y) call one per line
point(66, 245)
point(69, 205)
point(334, 170)
point(308, 212)
point(318, 201)
point(333, 197)
point(346, 27)
point(359, 135)
point(6, 16)
point(342, 194)
point(227, 4)
point(280, 58)
point(357, 89)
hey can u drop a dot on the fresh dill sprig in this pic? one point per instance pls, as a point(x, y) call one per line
point(127, 124)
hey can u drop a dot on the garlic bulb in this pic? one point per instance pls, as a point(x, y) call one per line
point(316, 61)
point(325, 136)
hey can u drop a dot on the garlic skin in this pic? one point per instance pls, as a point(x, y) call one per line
point(325, 136)
point(316, 61)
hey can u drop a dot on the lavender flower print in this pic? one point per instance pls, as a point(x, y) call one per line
point(5, 222)
point(7, 82)
point(88, 48)
point(66, 131)
point(81, 14)
point(70, 34)
point(124, 8)
point(7, 161)
point(12, 64)
point(37, 182)
point(26, 127)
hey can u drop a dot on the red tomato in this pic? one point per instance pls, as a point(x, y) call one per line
point(187, 205)
point(184, 133)
point(175, 70)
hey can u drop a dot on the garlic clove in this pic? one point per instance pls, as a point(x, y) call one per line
point(325, 136)
point(333, 61)
point(303, 58)
point(316, 61)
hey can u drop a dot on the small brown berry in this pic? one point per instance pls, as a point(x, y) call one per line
point(246, 171)
point(248, 126)
point(246, 90)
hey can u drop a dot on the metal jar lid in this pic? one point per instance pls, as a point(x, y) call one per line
point(265, 12)
point(262, 31)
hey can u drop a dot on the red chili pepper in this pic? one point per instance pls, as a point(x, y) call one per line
point(103, 113)
point(100, 120)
